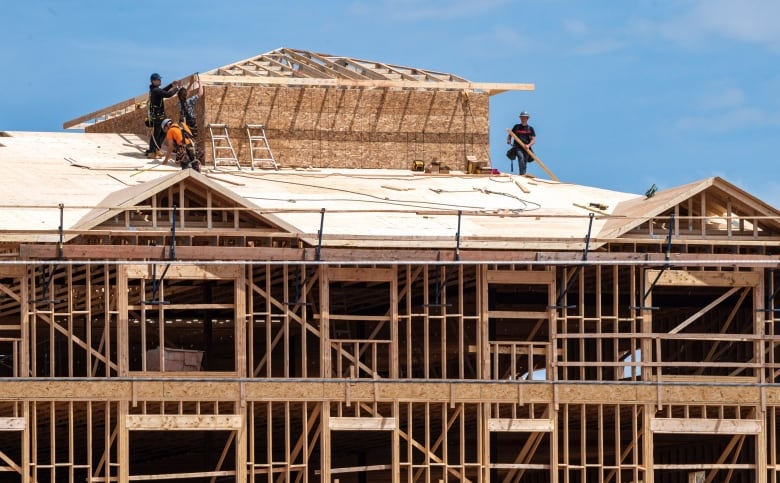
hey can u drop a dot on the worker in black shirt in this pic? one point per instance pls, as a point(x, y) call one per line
point(156, 112)
point(527, 135)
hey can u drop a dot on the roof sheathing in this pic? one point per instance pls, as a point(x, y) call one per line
point(94, 175)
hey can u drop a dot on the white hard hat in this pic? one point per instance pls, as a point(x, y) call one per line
point(165, 123)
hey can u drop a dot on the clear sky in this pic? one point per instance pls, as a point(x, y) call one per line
point(628, 92)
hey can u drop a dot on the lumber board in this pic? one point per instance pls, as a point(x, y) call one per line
point(186, 272)
point(518, 314)
point(361, 274)
point(361, 424)
point(157, 422)
point(705, 279)
point(705, 426)
point(13, 424)
point(520, 425)
point(490, 87)
point(520, 277)
point(356, 469)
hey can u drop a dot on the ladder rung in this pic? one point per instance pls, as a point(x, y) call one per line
point(221, 148)
point(264, 146)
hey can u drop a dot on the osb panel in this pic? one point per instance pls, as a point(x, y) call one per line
point(352, 128)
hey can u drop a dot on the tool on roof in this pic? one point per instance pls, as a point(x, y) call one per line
point(267, 157)
point(650, 192)
point(531, 153)
point(220, 143)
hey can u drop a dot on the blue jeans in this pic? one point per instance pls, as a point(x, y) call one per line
point(522, 160)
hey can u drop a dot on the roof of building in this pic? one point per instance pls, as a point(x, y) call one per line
point(294, 67)
point(302, 67)
point(93, 175)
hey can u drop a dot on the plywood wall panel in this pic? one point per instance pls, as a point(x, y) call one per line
point(338, 127)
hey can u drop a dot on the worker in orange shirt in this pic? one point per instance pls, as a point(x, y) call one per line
point(180, 142)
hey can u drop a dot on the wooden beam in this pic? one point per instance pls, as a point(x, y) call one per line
point(186, 272)
point(13, 424)
point(13, 270)
point(356, 469)
point(705, 279)
point(156, 422)
point(362, 274)
point(520, 277)
point(173, 476)
point(490, 87)
point(705, 426)
point(362, 424)
point(518, 314)
point(520, 425)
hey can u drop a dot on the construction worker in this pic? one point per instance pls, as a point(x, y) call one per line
point(156, 112)
point(187, 107)
point(527, 135)
point(179, 142)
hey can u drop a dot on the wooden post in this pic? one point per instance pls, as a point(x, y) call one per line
point(123, 336)
point(123, 448)
point(240, 315)
point(325, 368)
point(759, 353)
point(325, 442)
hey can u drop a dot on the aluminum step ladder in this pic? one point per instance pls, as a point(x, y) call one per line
point(221, 146)
point(265, 157)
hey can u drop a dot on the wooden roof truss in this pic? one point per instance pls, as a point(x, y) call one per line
point(303, 64)
point(286, 66)
point(300, 67)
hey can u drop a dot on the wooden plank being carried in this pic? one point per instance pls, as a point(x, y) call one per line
point(531, 153)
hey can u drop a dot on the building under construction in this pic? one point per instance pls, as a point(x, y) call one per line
point(312, 308)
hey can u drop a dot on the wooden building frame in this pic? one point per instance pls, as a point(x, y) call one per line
point(341, 325)
point(645, 359)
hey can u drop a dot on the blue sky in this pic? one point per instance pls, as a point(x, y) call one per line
point(628, 93)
